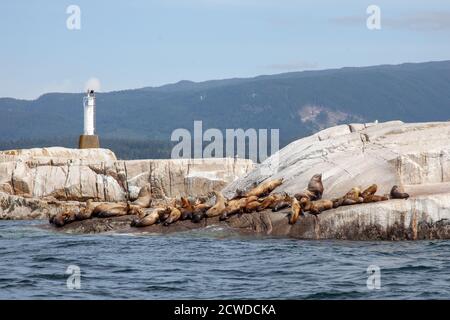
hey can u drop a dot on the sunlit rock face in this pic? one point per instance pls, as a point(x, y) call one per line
point(414, 156)
point(387, 154)
point(72, 174)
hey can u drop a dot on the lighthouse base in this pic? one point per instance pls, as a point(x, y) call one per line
point(88, 142)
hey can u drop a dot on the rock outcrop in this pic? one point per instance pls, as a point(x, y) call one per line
point(414, 156)
point(390, 153)
point(48, 177)
point(24, 208)
point(72, 174)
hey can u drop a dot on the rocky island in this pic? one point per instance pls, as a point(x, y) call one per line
point(42, 183)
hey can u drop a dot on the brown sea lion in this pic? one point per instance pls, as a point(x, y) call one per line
point(185, 203)
point(218, 208)
point(305, 203)
point(164, 214)
point(315, 186)
point(282, 200)
point(236, 206)
point(337, 202)
point(264, 188)
point(266, 202)
point(174, 216)
point(272, 200)
point(354, 193)
point(201, 207)
point(107, 210)
point(144, 199)
point(369, 191)
point(135, 210)
point(314, 191)
point(63, 218)
point(280, 205)
point(375, 198)
point(296, 210)
point(150, 218)
point(317, 207)
point(396, 193)
point(352, 197)
point(232, 207)
point(304, 194)
point(187, 209)
point(86, 213)
point(252, 206)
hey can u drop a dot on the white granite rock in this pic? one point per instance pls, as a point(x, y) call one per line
point(387, 154)
point(72, 174)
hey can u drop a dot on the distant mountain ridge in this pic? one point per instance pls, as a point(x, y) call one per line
point(298, 103)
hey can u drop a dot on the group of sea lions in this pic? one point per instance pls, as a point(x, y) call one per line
point(258, 198)
point(105, 210)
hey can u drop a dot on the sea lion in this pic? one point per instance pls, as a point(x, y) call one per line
point(201, 207)
point(271, 200)
point(337, 202)
point(352, 197)
point(107, 210)
point(305, 194)
point(236, 206)
point(266, 202)
point(282, 200)
point(252, 206)
point(296, 209)
point(396, 193)
point(198, 216)
point(186, 215)
point(281, 205)
point(375, 198)
point(305, 204)
point(174, 216)
point(86, 213)
point(369, 191)
point(314, 191)
point(186, 209)
point(150, 218)
point(164, 214)
point(264, 188)
point(318, 206)
point(144, 199)
point(218, 208)
point(63, 218)
point(315, 186)
point(232, 207)
point(200, 200)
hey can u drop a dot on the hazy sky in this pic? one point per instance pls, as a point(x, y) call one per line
point(130, 44)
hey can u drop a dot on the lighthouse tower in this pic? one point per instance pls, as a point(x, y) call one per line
point(89, 139)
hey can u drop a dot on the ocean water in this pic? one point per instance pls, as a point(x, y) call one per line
point(214, 264)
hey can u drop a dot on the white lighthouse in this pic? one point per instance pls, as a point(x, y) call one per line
point(89, 113)
point(89, 139)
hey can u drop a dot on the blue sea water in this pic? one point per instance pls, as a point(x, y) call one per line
point(214, 264)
